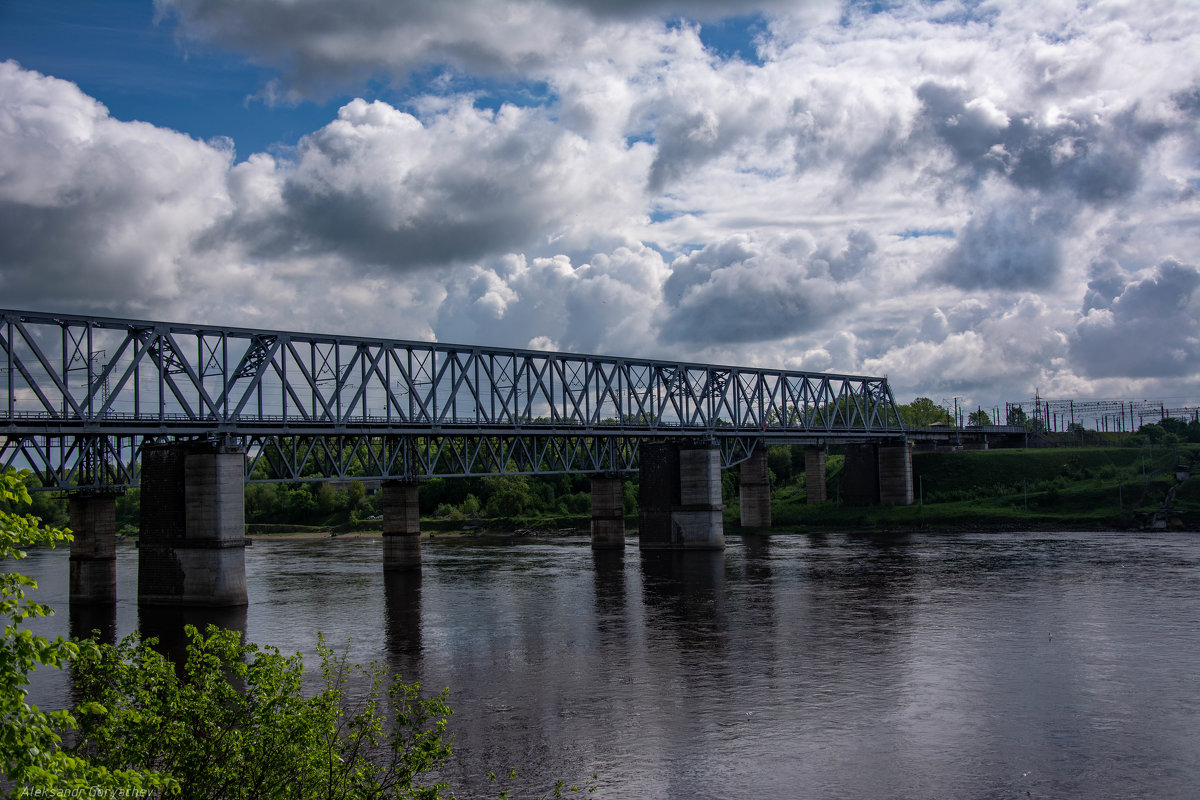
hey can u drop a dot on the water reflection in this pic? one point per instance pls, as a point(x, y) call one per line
point(89, 621)
point(166, 624)
point(685, 593)
point(609, 581)
point(832, 666)
point(402, 613)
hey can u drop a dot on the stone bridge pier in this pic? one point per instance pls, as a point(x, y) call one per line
point(608, 513)
point(192, 548)
point(679, 497)
point(754, 493)
point(878, 474)
point(94, 549)
point(401, 526)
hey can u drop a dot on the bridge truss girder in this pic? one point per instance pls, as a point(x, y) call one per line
point(78, 396)
point(74, 462)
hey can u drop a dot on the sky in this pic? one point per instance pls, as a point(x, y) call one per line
point(978, 199)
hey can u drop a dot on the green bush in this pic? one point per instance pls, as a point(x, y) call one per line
point(231, 722)
point(30, 740)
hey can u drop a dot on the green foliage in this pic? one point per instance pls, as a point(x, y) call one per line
point(30, 743)
point(978, 418)
point(509, 496)
point(629, 496)
point(308, 503)
point(780, 462)
point(231, 722)
point(923, 412)
point(1152, 432)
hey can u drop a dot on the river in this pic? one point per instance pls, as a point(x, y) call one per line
point(1047, 665)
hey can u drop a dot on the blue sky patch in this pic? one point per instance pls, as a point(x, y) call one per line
point(918, 233)
point(734, 38)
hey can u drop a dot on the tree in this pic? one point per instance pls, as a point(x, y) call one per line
point(1152, 431)
point(978, 418)
point(1016, 416)
point(923, 412)
point(30, 743)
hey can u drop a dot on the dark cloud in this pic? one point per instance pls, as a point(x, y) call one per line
point(686, 141)
point(319, 44)
point(1097, 161)
point(743, 290)
point(1149, 329)
point(861, 135)
point(1011, 247)
point(852, 259)
point(1106, 282)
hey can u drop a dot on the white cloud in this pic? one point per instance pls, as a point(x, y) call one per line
point(970, 198)
point(92, 209)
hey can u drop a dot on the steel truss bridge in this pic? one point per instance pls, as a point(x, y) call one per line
point(80, 395)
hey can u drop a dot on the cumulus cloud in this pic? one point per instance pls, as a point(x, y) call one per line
point(747, 290)
point(385, 189)
point(969, 196)
point(93, 209)
point(604, 305)
point(1010, 247)
point(1147, 330)
point(316, 42)
point(1093, 157)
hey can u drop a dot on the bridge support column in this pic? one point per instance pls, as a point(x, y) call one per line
point(814, 474)
point(680, 497)
point(878, 474)
point(192, 548)
point(94, 549)
point(895, 475)
point(860, 476)
point(755, 490)
point(401, 526)
point(608, 513)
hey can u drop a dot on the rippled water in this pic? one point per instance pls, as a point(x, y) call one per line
point(795, 666)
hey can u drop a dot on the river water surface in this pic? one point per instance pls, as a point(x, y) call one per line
point(792, 666)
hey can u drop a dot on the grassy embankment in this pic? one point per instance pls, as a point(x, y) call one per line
point(1065, 488)
point(1073, 488)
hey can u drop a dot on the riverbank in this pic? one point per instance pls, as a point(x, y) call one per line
point(1081, 489)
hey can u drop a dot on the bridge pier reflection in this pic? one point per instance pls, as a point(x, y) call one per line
point(167, 623)
point(402, 606)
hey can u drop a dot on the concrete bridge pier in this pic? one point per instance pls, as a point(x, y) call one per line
point(401, 526)
point(94, 549)
point(814, 474)
point(755, 490)
point(608, 513)
point(679, 497)
point(896, 474)
point(192, 548)
point(878, 474)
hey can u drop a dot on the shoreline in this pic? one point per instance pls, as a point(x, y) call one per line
point(1015, 526)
